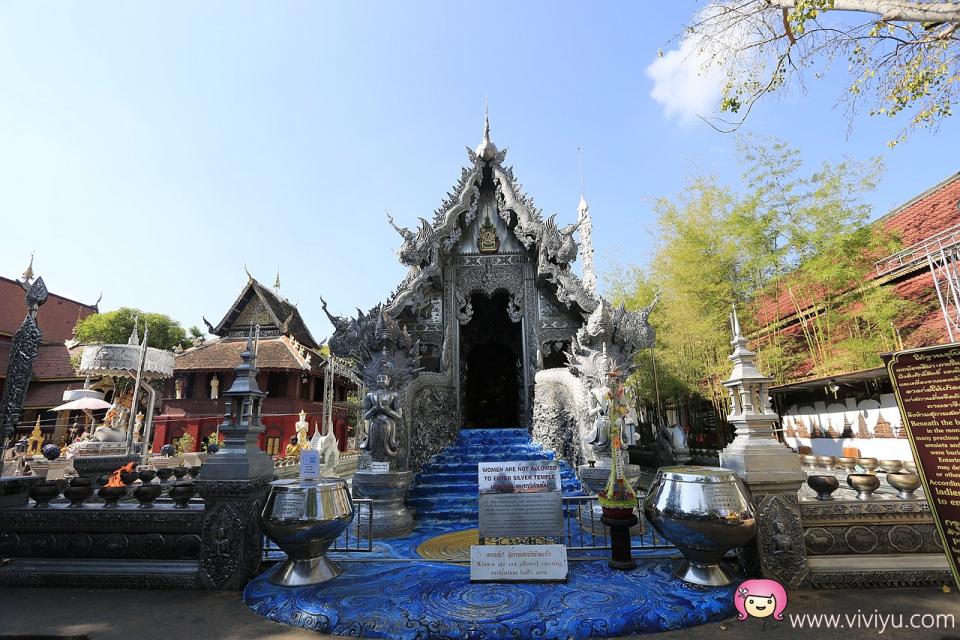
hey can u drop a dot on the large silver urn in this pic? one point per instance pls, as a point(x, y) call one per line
point(304, 519)
point(705, 512)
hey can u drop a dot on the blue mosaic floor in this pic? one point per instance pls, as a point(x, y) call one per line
point(417, 598)
point(421, 600)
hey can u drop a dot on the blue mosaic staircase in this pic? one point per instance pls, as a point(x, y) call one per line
point(446, 487)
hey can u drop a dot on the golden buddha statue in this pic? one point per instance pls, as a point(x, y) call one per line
point(293, 449)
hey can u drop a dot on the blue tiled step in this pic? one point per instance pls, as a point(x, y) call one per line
point(481, 455)
point(446, 487)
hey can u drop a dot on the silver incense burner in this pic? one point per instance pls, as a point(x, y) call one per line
point(304, 519)
point(705, 512)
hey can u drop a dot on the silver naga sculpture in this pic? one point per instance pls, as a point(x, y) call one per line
point(602, 354)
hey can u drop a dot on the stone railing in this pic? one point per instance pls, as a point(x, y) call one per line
point(194, 535)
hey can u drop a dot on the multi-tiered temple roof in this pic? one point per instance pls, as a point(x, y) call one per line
point(285, 343)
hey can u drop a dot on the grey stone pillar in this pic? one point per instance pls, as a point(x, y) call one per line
point(234, 483)
point(771, 471)
point(231, 544)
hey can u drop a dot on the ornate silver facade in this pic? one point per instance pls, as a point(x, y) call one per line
point(489, 300)
point(487, 247)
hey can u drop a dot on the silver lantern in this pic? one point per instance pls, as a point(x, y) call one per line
point(304, 519)
point(705, 512)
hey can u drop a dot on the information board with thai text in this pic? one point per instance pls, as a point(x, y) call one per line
point(926, 383)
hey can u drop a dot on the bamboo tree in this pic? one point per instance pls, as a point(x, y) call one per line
point(785, 234)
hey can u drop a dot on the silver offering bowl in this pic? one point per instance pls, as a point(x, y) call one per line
point(870, 464)
point(891, 466)
point(705, 512)
point(808, 460)
point(826, 462)
point(864, 484)
point(905, 483)
point(823, 485)
point(304, 519)
point(910, 466)
point(847, 463)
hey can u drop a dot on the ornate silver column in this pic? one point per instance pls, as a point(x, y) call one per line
point(23, 351)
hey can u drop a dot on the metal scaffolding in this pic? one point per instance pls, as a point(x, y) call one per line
point(941, 252)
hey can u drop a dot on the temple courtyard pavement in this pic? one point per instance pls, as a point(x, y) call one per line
point(102, 614)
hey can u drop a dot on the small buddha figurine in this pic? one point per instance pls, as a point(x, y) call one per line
point(214, 387)
point(178, 389)
point(293, 449)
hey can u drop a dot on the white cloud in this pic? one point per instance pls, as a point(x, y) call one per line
point(683, 84)
point(727, 43)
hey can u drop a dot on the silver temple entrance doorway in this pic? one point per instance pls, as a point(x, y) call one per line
point(491, 364)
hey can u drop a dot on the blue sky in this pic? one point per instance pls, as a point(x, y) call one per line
point(150, 150)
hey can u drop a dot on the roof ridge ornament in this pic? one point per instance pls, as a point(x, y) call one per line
point(486, 150)
point(28, 274)
point(583, 207)
point(135, 334)
point(735, 323)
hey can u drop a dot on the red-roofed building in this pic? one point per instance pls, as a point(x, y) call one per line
point(52, 372)
point(925, 225)
point(860, 403)
point(292, 371)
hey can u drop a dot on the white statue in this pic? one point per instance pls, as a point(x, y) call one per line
point(598, 436)
point(114, 427)
point(138, 427)
point(671, 445)
point(214, 388)
point(631, 422)
point(302, 428)
point(326, 444)
point(600, 398)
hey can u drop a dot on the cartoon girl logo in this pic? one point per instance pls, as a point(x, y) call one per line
point(760, 599)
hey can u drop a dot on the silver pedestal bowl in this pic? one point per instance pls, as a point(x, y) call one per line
point(304, 519)
point(705, 512)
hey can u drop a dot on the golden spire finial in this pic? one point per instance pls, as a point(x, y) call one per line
point(28, 274)
point(276, 283)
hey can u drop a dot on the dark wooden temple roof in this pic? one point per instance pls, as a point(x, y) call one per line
point(276, 316)
point(278, 353)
